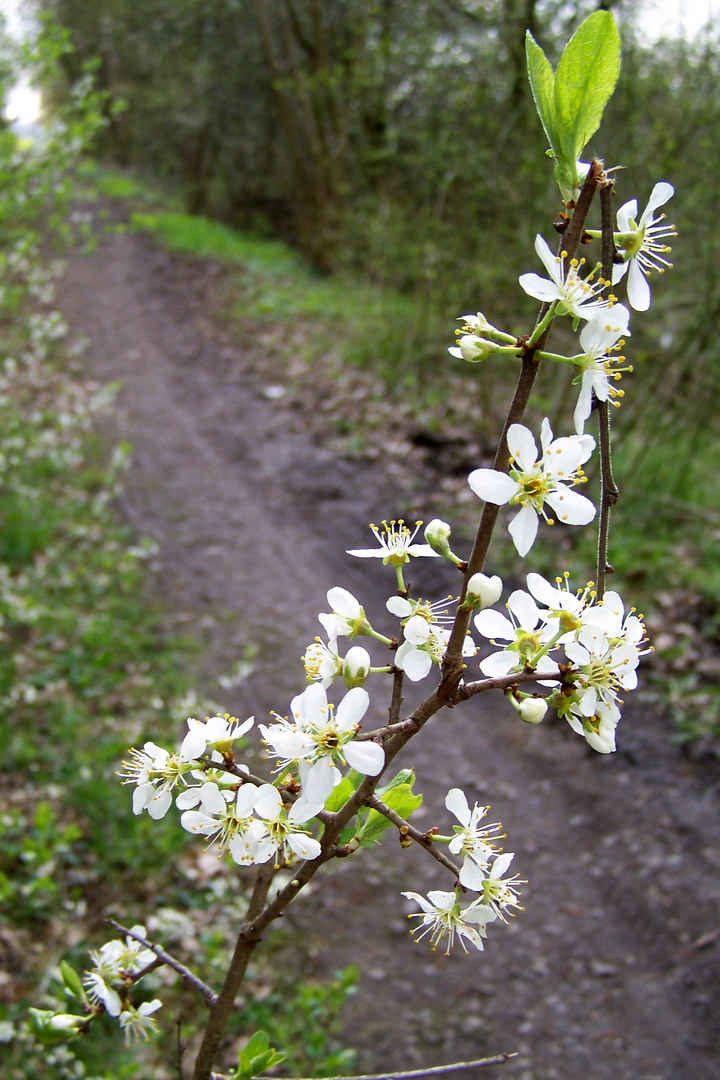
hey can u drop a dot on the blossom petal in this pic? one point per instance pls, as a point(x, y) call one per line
point(638, 290)
point(493, 624)
point(367, 758)
point(549, 259)
point(398, 605)
point(658, 197)
point(352, 708)
point(539, 288)
point(492, 486)
point(500, 664)
point(522, 446)
point(415, 663)
point(456, 802)
point(570, 507)
point(523, 529)
point(626, 215)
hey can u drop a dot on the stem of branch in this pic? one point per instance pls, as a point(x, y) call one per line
point(247, 941)
point(609, 490)
point(406, 829)
point(209, 995)
point(415, 1074)
point(452, 666)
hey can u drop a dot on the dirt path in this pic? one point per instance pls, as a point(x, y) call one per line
point(605, 975)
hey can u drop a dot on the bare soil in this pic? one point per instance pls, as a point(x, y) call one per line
point(611, 971)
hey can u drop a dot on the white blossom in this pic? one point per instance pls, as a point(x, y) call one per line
point(574, 295)
point(139, 1023)
point(426, 638)
point(396, 544)
point(319, 736)
point(442, 917)
point(347, 618)
point(473, 840)
point(282, 838)
point(216, 732)
point(599, 369)
point(498, 892)
point(535, 479)
point(224, 817)
point(528, 632)
point(156, 772)
point(641, 244)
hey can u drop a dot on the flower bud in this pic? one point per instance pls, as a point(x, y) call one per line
point(437, 534)
point(356, 667)
point(483, 591)
point(474, 349)
point(532, 710)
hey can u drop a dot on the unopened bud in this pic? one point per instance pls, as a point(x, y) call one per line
point(532, 710)
point(437, 534)
point(474, 349)
point(483, 591)
point(356, 667)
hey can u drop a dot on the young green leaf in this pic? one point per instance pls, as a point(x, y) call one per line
point(585, 79)
point(399, 798)
point(256, 1057)
point(542, 84)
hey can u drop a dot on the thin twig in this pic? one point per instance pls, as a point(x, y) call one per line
point(406, 829)
point(409, 725)
point(209, 995)
point(397, 696)
point(480, 686)
point(435, 1070)
point(609, 490)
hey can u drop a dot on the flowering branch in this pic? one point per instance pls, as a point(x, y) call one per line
point(452, 666)
point(209, 995)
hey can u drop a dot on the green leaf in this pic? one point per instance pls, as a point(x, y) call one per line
point(584, 81)
point(399, 798)
point(339, 795)
point(542, 84)
point(256, 1057)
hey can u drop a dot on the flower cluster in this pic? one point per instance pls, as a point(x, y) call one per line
point(483, 871)
point(601, 642)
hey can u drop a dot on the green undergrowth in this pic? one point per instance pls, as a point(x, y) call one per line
point(368, 326)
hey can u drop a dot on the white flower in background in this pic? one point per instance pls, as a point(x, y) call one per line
point(426, 638)
point(216, 733)
point(599, 369)
point(156, 772)
point(442, 917)
point(347, 618)
point(473, 840)
point(283, 837)
point(322, 664)
point(565, 609)
point(534, 480)
point(498, 892)
point(641, 245)
point(319, 736)
point(139, 1023)
point(574, 295)
point(224, 816)
point(396, 544)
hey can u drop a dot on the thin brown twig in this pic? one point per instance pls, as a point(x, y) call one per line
point(414, 1074)
point(406, 829)
point(610, 492)
point(209, 995)
point(452, 666)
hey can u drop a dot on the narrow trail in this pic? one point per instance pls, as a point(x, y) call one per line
point(604, 975)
